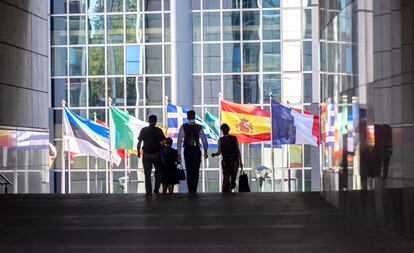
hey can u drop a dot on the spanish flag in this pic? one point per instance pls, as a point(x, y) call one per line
point(247, 122)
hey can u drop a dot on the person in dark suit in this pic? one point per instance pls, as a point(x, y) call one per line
point(228, 147)
point(169, 158)
point(152, 136)
point(189, 136)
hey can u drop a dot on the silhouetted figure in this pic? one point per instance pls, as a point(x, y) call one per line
point(228, 147)
point(169, 158)
point(152, 137)
point(191, 133)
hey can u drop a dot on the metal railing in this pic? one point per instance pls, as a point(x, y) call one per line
point(5, 182)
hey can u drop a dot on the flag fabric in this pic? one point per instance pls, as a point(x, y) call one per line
point(83, 136)
point(330, 125)
point(6, 138)
point(32, 140)
point(52, 154)
point(213, 122)
point(120, 152)
point(247, 122)
point(292, 127)
point(125, 129)
point(177, 116)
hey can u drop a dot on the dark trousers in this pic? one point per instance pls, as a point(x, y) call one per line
point(230, 169)
point(192, 157)
point(148, 160)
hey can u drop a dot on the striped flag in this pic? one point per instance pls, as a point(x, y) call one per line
point(32, 140)
point(83, 136)
point(177, 116)
point(330, 125)
point(213, 122)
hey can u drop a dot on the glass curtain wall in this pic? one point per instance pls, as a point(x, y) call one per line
point(246, 49)
point(101, 49)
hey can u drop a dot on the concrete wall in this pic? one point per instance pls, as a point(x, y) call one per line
point(24, 82)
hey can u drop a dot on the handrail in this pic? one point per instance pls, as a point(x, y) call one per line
point(5, 182)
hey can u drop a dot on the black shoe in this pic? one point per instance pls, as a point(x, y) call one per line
point(156, 191)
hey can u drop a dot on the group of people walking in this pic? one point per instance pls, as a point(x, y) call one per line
point(158, 153)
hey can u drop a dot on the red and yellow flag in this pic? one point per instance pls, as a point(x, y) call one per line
point(247, 122)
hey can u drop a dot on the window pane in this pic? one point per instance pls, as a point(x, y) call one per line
point(292, 88)
point(115, 29)
point(77, 26)
point(115, 60)
point(271, 25)
point(133, 60)
point(167, 27)
point(59, 91)
point(59, 62)
point(58, 25)
point(95, 6)
point(97, 92)
point(77, 61)
point(307, 55)
point(58, 6)
point(292, 24)
point(271, 57)
point(132, 5)
point(135, 92)
point(152, 5)
point(211, 59)
point(231, 25)
point(153, 32)
point(291, 56)
point(212, 87)
point(271, 83)
point(250, 4)
point(77, 92)
point(195, 4)
point(211, 4)
point(291, 3)
point(77, 6)
point(231, 4)
point(167, 59)
point(231, 57)
point(196, 58)
point(197, 90)
point(271, 3)
point(153, 59)
point(167, 86)
point(307, 88)
point(251, 57)
point(251, 91)
point(96, 61)
point(116, 90)
point(232, 88)
point(251, 25)
point(211, 26)
point(196, 26)
point(154, 93)
point(96, 27)
point(308, 24)
point(166, 5)
point(114, 6)
point(133, 28)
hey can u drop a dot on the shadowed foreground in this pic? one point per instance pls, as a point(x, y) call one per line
point(245, 222)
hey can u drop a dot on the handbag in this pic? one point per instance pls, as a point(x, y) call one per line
point(180, 173)
point(243, 182)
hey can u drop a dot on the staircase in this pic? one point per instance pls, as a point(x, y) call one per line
point(234, 222)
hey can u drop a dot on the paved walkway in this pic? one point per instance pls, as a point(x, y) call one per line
point(238, 222)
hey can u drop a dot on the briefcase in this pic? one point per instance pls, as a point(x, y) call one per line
point(243, 182)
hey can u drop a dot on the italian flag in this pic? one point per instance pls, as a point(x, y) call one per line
point(124, 129)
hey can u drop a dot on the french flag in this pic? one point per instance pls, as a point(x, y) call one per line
point(292, 127)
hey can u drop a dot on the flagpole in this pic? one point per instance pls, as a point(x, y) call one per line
point(96, 162)
point(271, 145)
point(126, 174)
point(62, 176)
point(165, 113)
point(111, 174)
point(220, 97)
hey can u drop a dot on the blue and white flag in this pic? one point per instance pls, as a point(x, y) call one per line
point(177, 116)
point(86, 137)
point(32, 140)
point(330, 125)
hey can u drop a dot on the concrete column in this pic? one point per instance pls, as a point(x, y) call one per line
point(181, 53)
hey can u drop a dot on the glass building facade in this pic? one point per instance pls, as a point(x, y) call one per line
point(244, 49)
